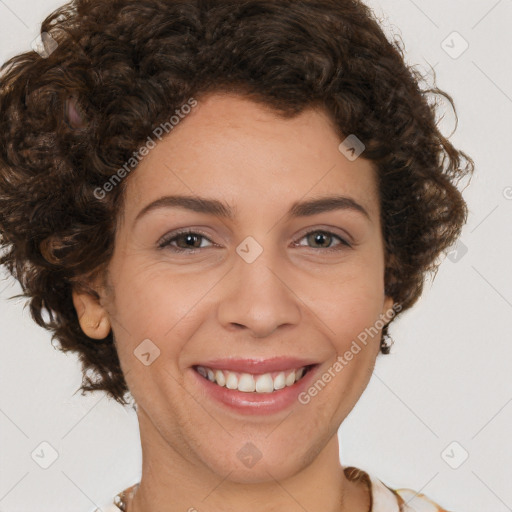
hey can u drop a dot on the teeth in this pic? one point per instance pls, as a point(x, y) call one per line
point(219, 377)
point(290, 379)
point(280, 381)
point(264, 383)
point(231, 381)
point(246, 383)
point(249, 383)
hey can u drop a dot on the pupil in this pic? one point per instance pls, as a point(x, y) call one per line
point(191, 238)
point(319, 237)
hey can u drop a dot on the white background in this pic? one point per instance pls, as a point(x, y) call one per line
point(448, 377)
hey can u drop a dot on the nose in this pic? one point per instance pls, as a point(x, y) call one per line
point(257, 296)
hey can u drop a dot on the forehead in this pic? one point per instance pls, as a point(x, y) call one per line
point(232, 148)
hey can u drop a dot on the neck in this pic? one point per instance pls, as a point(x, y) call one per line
point(172, 482)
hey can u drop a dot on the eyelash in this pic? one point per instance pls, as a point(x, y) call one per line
point(166, 242)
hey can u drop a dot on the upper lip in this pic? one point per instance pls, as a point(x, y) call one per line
point(274, 364)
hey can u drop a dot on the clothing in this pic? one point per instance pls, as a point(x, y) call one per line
point(383, 498)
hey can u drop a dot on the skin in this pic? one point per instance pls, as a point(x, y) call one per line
point(296, 299)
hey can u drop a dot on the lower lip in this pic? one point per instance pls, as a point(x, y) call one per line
point(256, 403)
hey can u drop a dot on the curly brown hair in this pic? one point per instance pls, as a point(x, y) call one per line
point(70, 119)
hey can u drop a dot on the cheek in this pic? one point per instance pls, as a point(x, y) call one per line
point(350, 301)
point(352, 313)
point(354, 336)
point(148, 294)
point(163, 306)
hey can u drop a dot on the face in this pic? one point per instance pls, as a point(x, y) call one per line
point(273, 281)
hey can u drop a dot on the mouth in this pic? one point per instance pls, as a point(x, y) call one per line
point(257, 383)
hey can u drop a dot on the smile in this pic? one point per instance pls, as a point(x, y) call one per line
point(253, 383)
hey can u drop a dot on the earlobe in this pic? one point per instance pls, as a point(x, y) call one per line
point(92, 315)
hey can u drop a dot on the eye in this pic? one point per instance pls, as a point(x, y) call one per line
point(191, 241)
point(325, 238)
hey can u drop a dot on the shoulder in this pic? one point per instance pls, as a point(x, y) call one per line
point(118, 503)
point(386, 499)
point(419, 502)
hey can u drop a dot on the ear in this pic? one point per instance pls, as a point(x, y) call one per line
point(93, 317)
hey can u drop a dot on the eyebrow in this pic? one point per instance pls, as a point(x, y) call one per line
point(223, 210)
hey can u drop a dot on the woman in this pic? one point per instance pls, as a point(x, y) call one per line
point(221, 206)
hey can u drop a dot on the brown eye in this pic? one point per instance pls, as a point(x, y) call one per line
point(325, 240)
point(187, 241)
point(320, 238)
